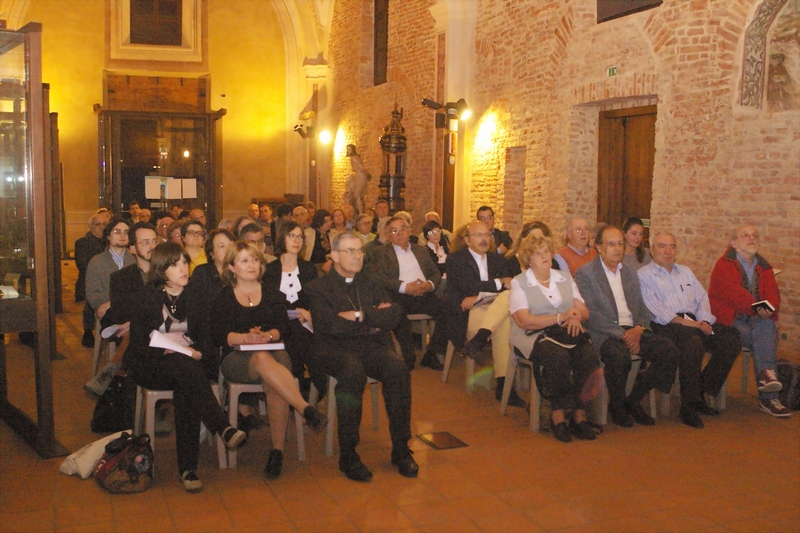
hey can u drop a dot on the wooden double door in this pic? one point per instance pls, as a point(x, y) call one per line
point(626, 142)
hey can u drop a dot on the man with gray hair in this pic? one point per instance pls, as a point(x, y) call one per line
point(577, 251)
point(353, 318)
point(680, 310)
point(744, 294)
point(87, 247)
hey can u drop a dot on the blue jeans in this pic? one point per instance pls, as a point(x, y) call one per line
point(761, 336)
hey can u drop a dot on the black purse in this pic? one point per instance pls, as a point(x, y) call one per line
point(560, 335)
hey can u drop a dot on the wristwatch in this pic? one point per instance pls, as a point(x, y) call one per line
point(358, 315)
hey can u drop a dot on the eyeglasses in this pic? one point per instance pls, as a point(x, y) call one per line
point(486, 217)
point(615, 244)
point(401, 229)
point(195, 233)
point(480, 234)
point(350, 251)
point(104, 224)
point(163, 225)
point(745, 235)
point(148, 242)
point(436, 231)
point(117, 231)
point(295, 236)
point(581, 230)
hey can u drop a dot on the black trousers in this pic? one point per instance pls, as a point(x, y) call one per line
point(88, 317)
point(659, 351)
point(300, 347)
point(351, 367)
point(193, 400)
point(429, 304)
point(692, 344)
point(564, 372)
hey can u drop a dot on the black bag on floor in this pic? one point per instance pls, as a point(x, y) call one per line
point(126, 465)
point(789, 376)
point(115, 408)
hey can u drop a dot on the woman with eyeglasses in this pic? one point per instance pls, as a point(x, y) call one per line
point(163, 307)
point(247, 313)
point(288, 276)
point(437, 243)
point(194, 237)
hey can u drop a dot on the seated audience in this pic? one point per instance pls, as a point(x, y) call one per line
point(254, 234)
point(245, 313)
point(160, 307)
point(636, 255)
point(411, 277)
point(102, 265)
point(353, 318)
point(363, 229)
point(290, 275)
point(381, 211)
point(437, 243)
point(433, 216)
point(87, 247)
point(175, 233)
point(163, 222)
point(619, 326)
point(198, 215)
point(547, 311)
point(577, 251)
point(741, 278)
point(145, 215)
point(502, 240)
point(193, 234)
point(241, 222)
point(317, 244)
point(680, 310)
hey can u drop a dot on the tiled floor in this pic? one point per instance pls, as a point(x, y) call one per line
point(740, 473)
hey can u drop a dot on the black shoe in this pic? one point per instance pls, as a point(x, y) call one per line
point(704, 409)
point(314, 419)
point(274, 464)
point(620, 416)
point(410, 364)
point(581, 430)
point(689, 416)
point(233, 438)
point(88, 339)
point(191, 482)
point(354, 469)
point(431, 361)
point(640, 415)
point(474, 349)
point(405, 464)
point(561, 431)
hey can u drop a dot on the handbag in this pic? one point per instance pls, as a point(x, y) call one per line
point(560, 335)
point(126, 465)
point(115, 408)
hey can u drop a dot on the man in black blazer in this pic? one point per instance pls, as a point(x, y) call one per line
point(407, 271)
point(353, 319)
point(87, 247)
point(619, 326)
point(502, 240)
point(471, 271)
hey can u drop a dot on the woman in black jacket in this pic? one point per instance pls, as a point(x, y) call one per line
point(288, 276)
point(164, 308)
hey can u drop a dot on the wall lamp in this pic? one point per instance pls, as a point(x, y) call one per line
point(304, 132)
point(454, 111)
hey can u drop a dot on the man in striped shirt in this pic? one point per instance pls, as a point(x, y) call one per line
point(679, 309)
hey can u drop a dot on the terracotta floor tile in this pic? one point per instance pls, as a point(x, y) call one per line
point(248, 496)
point(389, 519)
point(151, 523)
point(311, 507)
point(262, 514)
point(453, 526)
point(556, 517)
point(332, 524)
point(182, 502)
point(89, 528)
point(203, 520)
point(41, 520)
point(506, 522)
point(76, 516)
point(475, 506)
point(427, 513)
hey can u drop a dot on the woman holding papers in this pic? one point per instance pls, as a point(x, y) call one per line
point(547, 310)
point(249, 318)
point(162, 309)
point(287, 277)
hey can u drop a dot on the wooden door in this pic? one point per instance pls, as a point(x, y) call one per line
point(626, 142)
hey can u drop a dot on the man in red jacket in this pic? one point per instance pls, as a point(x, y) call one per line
point(741, 278)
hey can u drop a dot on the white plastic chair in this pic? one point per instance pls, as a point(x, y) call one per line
point(313, 397)
point(448, 359)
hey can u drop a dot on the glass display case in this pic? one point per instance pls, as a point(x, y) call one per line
point(28, 231)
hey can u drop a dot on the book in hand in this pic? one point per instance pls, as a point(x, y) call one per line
point(485, 298)
point(763, 304)
point(268, 346)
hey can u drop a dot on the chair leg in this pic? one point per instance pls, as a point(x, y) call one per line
point(536, 405)
point(233, 412)
point(375, 405)
point(149, 415)
point(98, 346)
point(601, 405)
point(448, 359)
point(313, 396)
point(470, 374)
point(331, 416)
point(137, 417)
point(511, 370)
point(222, 453)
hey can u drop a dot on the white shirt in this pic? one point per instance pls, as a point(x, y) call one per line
point(440, 253)
point(410, 271)
point(290, 284)
point(483, 268)
point(615, 280)
point(517, 299)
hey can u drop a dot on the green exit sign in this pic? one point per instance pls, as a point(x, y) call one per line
point(611, 71)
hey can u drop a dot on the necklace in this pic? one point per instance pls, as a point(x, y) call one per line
point(358, 298)
point(249, 301)
point(545, 282)
point(173, 303)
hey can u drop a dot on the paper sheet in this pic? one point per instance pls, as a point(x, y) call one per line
point(168, 342)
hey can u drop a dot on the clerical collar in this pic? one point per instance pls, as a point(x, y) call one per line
point(348, 280)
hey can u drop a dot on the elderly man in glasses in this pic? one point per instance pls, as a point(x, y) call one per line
point(577, 252)
point(353, 317)
point(744, 294)
point(87, 247)
point(410, 275)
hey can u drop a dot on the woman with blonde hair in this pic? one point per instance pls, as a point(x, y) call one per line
point(249, 314)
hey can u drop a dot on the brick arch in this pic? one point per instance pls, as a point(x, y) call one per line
point(751, 87)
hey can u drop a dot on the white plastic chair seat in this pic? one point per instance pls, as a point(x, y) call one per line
point(448, 359)
point(233, 391)
point(145, 415)
point(514, 360)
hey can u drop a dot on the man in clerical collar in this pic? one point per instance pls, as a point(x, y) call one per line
point(353, 318)
point(619, 326)
point(408, 272)
point(741, 278)
point(577, 251)
point(680, 310)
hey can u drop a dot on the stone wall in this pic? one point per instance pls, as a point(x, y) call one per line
point(540, 83)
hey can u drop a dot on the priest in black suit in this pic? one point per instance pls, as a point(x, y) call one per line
point(353, 317)
point(407, 271)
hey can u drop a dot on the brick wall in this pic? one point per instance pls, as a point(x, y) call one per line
point(540, 78)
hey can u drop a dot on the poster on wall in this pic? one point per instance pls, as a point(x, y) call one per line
point(612, 9)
